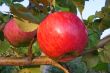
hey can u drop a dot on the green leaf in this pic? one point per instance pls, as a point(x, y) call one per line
point(1, 2)
point(4, 46)
point(108, 67)
point(104, 54)
point(79, 4)
point(50, 69)
point(21, 51)
point(21, 12)
point(30, 70)
point(52, 2)
point(36, 49)
point(1, 36)
point(41, 8)
point(74, 66)
point(40, 16)
point(9, 69)
point(107, 4)
point(7, 2)
point(57, 7)
point(91, 18)
point(105, 23)
point(101, 66)
point(94, 32)
point(94, 38)
point(104, 15)
point(18, 0)
point(66, 5)
point(99, 14)
point(25, 25)
point(77, 65)
point(5, 49)
point(4, 18)
point(91, 60)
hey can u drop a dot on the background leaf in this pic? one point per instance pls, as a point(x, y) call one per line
point(107, 4)
point(23, 12)
point(18, 0)
point(25, 25)
point(66, 5)
point(1, 36)
point(91, 60)
point(9, 69)
point(79, 4)
point(36, 49)
point(101, 67)
point(30, 70)
point(75, 66)
point(4, 46)
point(104, 15)
point(105, 54)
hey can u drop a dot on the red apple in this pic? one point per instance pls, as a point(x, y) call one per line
point(16, 36)
point(62, 36)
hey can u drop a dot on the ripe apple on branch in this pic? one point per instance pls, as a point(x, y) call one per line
point(16, 36)
point(59, 32)
point(62, 36)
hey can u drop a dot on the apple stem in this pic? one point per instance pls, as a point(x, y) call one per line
point(30, 53)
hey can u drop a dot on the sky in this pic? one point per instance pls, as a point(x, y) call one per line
point(91, 7)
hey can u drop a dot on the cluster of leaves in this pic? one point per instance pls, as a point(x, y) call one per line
point(96, 24)
point(36, 11)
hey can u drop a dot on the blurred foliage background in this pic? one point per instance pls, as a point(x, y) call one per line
point(95, 62)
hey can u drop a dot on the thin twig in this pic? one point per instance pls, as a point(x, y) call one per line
point(101, 44)
point(47, 61)
point(30, 53)
point(14, 61)
point(67, 67)
point(42, 60)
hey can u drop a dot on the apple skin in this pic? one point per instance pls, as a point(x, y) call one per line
point(15, 36)
point(62, 36)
